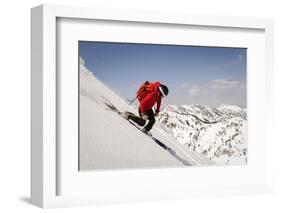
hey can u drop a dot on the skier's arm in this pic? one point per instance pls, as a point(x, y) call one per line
point(158, 105)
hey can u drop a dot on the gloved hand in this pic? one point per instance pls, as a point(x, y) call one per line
point(144, 116)
point(156, 113)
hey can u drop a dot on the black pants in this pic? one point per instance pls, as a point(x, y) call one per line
point(142, 122)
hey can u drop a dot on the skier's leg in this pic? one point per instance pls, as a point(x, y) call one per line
point(140, 112)
point(151, 120)
point(138, 120)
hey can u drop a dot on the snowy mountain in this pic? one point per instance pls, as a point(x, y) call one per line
point(108, 141)
point(218, 133)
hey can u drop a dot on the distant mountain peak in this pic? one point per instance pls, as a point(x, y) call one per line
point(218, 133)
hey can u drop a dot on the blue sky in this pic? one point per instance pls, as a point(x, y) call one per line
point(194, 75)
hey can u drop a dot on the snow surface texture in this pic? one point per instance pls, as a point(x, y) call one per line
point(218, 133)
point(108, 141)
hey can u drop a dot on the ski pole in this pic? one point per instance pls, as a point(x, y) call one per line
point(138, 94)
point(133, 100)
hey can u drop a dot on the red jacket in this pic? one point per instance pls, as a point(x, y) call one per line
point(148, 99)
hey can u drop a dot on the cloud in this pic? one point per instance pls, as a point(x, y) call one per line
point(239, 57)
point(215, 92)
point(224, 83)
point(195, 91)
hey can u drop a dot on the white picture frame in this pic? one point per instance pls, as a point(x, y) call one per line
point(45, 168)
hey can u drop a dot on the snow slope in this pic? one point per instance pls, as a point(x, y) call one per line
point(218, 133)
point(108, 141)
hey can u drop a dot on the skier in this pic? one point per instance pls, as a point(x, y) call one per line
point(148, 95)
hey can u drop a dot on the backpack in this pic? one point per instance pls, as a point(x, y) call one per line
point(145, 88)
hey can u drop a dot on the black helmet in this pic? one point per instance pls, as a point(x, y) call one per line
point(163, 90)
